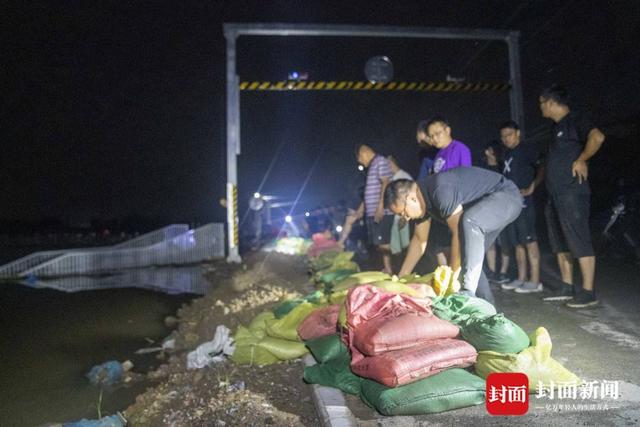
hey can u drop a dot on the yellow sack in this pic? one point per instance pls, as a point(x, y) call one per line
point(248, 352)
point(535, 361)
point(286, 327)
point(338, 297)
point(445, 281)
point(258, 325)
point(396, 287)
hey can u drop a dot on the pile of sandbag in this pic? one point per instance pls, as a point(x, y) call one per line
point(292, 245)
point(322, 242)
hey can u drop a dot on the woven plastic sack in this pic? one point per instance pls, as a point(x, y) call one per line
point(494, 333)
point(396, 287)
point(255, 350)
point(326, 348)
point(535, 361)
point(287, 326)
point(451, 389)
point(456, 308)
point(360, 278)
point(331, 276)
point(335, 373)
point(286, 306)
point(320, 322)
point(402, 367)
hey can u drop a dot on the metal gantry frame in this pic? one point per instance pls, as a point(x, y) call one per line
point(234, 30)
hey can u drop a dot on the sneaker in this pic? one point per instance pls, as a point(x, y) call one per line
point(501, 278)
point(514, 284)
point(529, 287)
point(583, 300)
point(491, 276)
point(563, 294)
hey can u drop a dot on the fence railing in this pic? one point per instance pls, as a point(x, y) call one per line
point(191, 246)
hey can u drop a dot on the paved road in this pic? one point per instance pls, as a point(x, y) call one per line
point(597, 344)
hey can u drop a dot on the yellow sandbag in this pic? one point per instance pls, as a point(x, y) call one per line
point(248, 352)
point(360, 278)
point(338, 297)
point(258, 325)
point(283, 349)
point(286, 327)
point(342, 317)
point(396, 287)
point(535, 361)
point(445, 281)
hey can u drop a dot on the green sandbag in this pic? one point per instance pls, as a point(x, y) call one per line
point(286, 327)
point(336, 275)
point(247, 350)
point(451, 389)
point(326, 348)
point(285, 307)
point(335, 373)
point(457, 307)
point(494, 333)
point(258, 325)
point(253, 349)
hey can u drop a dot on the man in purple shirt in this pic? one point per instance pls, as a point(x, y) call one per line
point(451, 154)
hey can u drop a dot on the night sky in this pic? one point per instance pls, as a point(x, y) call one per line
point(112, 109)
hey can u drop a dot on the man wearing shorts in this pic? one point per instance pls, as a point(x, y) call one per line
point(522, 166)
point(575, 141)
point(378, 219)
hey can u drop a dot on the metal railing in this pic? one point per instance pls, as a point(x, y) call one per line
point(191, 246)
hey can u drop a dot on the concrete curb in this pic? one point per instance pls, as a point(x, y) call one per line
point(330, 403)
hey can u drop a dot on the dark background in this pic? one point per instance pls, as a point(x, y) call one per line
point(117, 109)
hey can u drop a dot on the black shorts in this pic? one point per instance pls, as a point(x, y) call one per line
point(567, 216)
point(379, 233)
point(523, 229)
point(439, 237)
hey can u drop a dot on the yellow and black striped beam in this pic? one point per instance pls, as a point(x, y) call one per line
point(345, 85)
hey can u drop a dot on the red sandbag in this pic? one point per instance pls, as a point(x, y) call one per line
point(322, 243)
point(402, 367)
point(319, 323)
point(390, 333)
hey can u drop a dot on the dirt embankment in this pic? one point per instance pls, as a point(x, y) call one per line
point(227, 394)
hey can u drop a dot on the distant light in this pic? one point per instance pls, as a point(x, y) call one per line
point(256, 195)
point(307, 214)
point(360, 167)
point(288, 218)
point(294, 75)
point(339, 229)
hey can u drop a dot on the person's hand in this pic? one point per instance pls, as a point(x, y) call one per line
point(580, 169)
point(527, 191)
point(378, 215)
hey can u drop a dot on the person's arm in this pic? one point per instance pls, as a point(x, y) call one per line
point(594, 142)
point(535, 183)
point(348, 223)
point(380, 209)
point(453, 222)
point(465, 156)
point(417, 247)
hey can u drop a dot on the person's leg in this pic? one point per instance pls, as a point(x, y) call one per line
point(533, 252)
point(385, 251)
point(491, 258)
point(441, 258)
point(384, 239)
point(521, 261)
point(565, 264)
point(588, 270)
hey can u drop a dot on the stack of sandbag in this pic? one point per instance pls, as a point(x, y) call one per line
point(292, 245)
point(332, 368)
point(395, 339)
point(319, 323)
point(322, 242)
point(270, 340)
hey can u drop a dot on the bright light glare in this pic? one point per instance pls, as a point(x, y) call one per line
point(288, 218)
point(339, 229)
point(360, 167)
point(307, 214)
point(256, 195)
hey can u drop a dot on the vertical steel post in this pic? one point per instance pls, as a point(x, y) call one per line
point(233, 147)
point(515, 95)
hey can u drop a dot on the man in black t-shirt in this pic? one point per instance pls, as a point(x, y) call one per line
point(522, 166)
point(575, 141)
point(475, 203)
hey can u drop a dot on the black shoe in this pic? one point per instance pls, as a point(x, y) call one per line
point(583, 300)
point(500, 278)
point(491, 275)
point(563, 294)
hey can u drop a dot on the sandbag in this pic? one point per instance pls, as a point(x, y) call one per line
point(389, 333)
point(451, 389)
point(360, 278)
point(396, 287)
point(265, 350)
point(286, 327)
point(535, 361)
point(449, 307)
point(283, 349)
point(320, 322)
point(258, 325)
point(402, 367)
point(326, 348)
point(494, 333)
point(330, 276)
point(286, 306)
point(327, 258)
point(335, 373)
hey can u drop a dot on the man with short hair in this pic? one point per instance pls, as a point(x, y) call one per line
point(476, 204)
point(378, 219)
point(522, 166)
point(575, 141)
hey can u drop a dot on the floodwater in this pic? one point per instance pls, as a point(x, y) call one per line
point(51, 338)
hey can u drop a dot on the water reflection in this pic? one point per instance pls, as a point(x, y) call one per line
point(170, 280)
